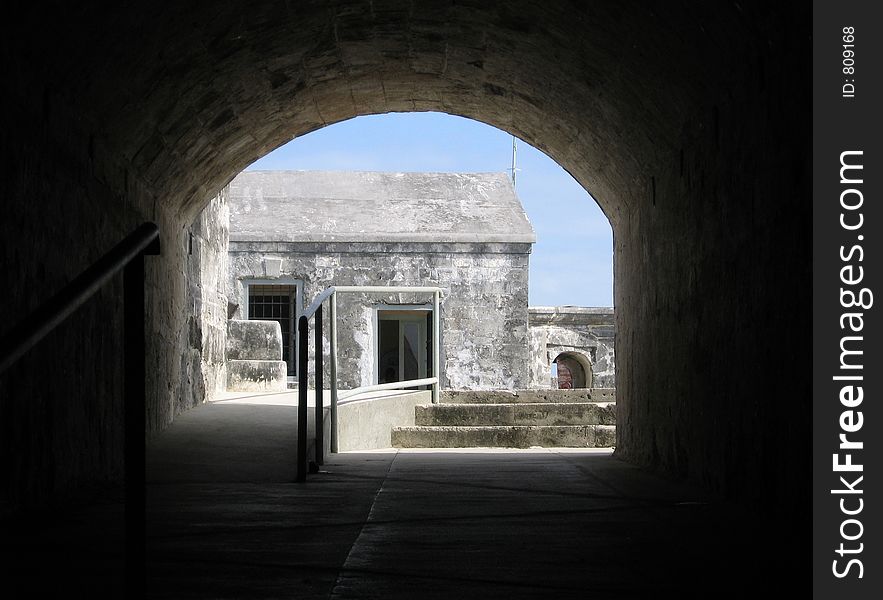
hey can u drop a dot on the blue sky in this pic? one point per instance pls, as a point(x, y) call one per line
point(572, 261)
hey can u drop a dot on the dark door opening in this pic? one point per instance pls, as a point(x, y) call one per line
point(403, 345)
point(571, 374)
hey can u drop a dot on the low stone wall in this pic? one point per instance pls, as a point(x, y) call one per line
point(254, 356)
point(533, 395)
point(367, 424)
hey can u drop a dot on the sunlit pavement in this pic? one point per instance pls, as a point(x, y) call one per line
point(225, 520)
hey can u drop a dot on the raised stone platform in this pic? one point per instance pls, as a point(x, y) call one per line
point(546, 413)
point(531, 396)
point(519, 436)
point(513, 419)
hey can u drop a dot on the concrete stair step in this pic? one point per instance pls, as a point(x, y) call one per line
point(517, 436)
point(528, 396)
point(524, 413)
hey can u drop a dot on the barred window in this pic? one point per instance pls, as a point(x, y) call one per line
point(277, 303)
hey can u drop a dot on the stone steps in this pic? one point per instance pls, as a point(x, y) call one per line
point(517, 436)
point(512, 414)
point(528, 396)
point(584, 418)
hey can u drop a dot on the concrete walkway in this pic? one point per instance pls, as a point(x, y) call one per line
point(225, 521)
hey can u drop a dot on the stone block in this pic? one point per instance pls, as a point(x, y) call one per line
point(256, 375)
point(453, 437)
point(465, 414)
point(272, 266)
point(602, 436)
point(519, 436)
point(529, 396)
point(564, 413)
point(254, 340)
point(562, 436)
point(522, 413)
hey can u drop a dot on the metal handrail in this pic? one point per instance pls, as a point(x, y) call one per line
point(23, 337)
point(314, 311)
point(364, 289)
point(317, 303)
point(392, 289)
point(128, 257)
point(396, 385)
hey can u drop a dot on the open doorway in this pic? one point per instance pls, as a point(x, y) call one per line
point(404, 345)
point(573, 371)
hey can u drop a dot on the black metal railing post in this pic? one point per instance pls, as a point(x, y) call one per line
point(135, 396)
point(302, 385)
point(134, 373)
point(320, 404)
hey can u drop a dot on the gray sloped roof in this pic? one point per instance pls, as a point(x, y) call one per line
point(363, 206)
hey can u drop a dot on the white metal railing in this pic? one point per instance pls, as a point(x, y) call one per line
point(396, 385)
point(315, 310)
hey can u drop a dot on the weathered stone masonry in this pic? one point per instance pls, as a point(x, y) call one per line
point(484, 338)
point(484, 307)
point(207, 242)
point(586, 332)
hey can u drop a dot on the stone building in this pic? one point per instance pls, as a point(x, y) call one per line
point(295, 233)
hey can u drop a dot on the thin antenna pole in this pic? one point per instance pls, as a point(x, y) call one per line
point(514, 156)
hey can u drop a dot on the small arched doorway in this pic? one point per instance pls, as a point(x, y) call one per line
point(574, 371)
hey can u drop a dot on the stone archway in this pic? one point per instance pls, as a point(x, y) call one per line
point(673, 119)
point(574, 370)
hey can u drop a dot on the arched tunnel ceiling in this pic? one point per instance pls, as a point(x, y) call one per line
point(681, 120)
point(603, 88)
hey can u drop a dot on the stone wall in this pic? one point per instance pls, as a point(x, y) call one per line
point(483, 311)
point(588, 332)
point(66, 204)
point(207, 243)
point(61, 417)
